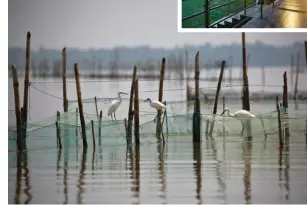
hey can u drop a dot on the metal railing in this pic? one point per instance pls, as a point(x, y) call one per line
point(208, 10)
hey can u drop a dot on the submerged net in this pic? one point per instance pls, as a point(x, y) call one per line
point(177, 124)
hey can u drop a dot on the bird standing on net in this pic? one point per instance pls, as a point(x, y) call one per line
point(239, 114)
point(157, 105)
point(115, 104)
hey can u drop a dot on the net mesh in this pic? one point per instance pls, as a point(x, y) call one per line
point(177, 122)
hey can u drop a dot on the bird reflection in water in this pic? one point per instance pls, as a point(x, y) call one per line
point(22, 165)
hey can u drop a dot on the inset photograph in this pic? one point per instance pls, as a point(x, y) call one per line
point(243, 13)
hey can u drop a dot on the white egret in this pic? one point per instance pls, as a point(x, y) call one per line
point(156, 104)
point(239, 114)
point(115, 104)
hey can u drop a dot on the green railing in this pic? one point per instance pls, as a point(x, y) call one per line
point(205, 13)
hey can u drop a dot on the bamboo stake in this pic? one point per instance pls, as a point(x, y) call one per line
point(26, 89)
point(82, 120)
point(17, 107)
point(65, 100)
point(159, 112)
point(136, 112)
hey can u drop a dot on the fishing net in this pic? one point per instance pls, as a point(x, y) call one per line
point(177, 123)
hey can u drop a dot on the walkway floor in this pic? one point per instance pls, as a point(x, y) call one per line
point(284, 14)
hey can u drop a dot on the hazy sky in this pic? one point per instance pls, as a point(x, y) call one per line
point(108, 23)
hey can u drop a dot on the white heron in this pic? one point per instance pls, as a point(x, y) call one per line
point(239, 114)
point(115, 104)
point(156, 104)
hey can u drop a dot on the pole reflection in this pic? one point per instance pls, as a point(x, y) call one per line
point(18, 177)
point(81, 178)
point(130, 164)
point(65, 169)
point(220, 181)
point(161, 149)
point(58, 166)
point(247, 158)
point(197, 169)
point(287, 167)
point(27, 178)
point(137, 172)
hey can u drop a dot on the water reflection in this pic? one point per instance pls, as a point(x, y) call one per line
point(65, 169)
point(137, 172)
point(287, 167)
point(18, 178)
point(197, 170)
point(81, 178)
point(187, 162)
point(219, 177)
point(247, 158)
point(162, 180)
point(130, 167)
point(22, 166)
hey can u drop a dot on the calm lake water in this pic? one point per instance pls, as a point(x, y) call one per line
point(219, 170)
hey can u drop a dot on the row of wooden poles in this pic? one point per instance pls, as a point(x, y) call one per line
point(133, 113)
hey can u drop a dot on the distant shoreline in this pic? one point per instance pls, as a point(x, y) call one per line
point(125, 76)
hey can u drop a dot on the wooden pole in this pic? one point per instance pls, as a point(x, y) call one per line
point(77, 141)
point(17, 107)
point(296, 75)
point(126, 126)
point(285, 104)
point(279, 123)
point(246, 102)
point(77, 122)
point(93, 134)
point(218, 88)
point(21, 122)
point(224, 106)
point(26, 89)
point(58, 118)
point(82, 120)
point(65, 100)
point(100, 119)
point(130, 113)
point(136, 112)
point(196, 115)
point(96, 106)
point(306, 52)
point(58, 134)
point(216, 101)
point(164, 116)
point(158, 127)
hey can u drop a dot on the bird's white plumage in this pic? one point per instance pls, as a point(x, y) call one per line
point(113, 106)
point(239, 113)
point(156, 104)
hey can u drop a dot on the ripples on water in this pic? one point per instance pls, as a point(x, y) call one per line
point(215, 171)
